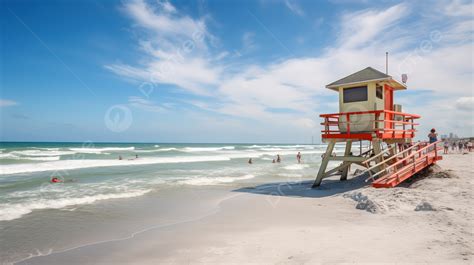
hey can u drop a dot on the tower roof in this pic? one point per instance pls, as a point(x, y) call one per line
point(366, 75)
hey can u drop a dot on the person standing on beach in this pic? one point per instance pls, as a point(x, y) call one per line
point(278, 159)
point(298, 157)
point(446, 146)
point(433, 136)
point(460, 145)
point(453, 146)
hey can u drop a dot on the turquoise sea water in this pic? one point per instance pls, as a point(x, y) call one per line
point(92, 172)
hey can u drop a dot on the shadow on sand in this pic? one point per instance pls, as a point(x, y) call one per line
point(329, 187)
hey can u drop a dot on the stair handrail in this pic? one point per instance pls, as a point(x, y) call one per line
point(405, 158)
point(375, 156)
point(386, 160)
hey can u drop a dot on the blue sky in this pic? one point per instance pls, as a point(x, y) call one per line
point(222, 71)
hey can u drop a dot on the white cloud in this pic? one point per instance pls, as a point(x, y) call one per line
point(248, 42)
point(465, 103)
point(294, 7)
point(458, 8)
point(365, 27)
point(175, 46)
point(144, 104)
point(162, 20)
point(7, 103)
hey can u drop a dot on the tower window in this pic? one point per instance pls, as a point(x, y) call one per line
point(379, 91)
point(355, 94)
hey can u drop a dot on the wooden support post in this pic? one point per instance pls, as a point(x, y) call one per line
point(377, 150)
point(347, 152)
point(324, 163)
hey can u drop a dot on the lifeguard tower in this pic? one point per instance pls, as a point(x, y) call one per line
point(367, 113)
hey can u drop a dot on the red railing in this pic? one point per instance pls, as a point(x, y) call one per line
point(403, 168)
point(379, 122)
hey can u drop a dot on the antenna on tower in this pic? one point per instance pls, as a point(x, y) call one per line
point(386, 63)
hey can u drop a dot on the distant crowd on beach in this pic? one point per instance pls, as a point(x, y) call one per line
point(278, 159)
point(457, 146)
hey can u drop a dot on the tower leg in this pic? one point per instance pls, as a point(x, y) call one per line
point(324, 164)
point(347, 152)
point(377, 150)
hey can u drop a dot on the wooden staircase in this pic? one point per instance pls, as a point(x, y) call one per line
point(390, 171)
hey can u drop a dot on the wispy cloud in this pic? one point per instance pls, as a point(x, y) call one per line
point(366, 26)
point(465, 103)
point(176, 48)
point(145, 104)
point(7, 103)
point(248, 42)
point(294, 7)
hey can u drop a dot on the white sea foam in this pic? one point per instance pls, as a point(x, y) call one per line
point(256, 146)
point(13, 211)
point(91, 163)
point(100, 150)
point(259, 153)
point(42, 153)
point(41, 158)
point(280, 147)
point(36, 158)
point(45, 148)
point(8, 156)
point(156, 150)
point(203, 181)
point(272, 149)
point(207, 149)
point(296, 167)
point(156, 145)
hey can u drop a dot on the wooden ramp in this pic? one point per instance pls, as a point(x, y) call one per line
point(399, 167)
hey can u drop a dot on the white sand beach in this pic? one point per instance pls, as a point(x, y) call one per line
point(428, 220)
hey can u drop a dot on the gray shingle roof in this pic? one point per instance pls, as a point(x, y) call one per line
point(366, 74)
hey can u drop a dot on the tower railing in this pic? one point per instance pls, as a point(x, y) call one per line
point(384, 124)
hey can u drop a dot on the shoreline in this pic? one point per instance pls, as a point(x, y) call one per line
point(289, 223)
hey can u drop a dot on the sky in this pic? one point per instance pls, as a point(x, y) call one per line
point(223, 71)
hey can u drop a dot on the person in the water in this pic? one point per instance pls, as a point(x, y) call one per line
point(55, 180)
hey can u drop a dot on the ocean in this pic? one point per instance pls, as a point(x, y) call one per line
point(96, 184)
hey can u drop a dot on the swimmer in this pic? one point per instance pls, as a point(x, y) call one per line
point(55, 180)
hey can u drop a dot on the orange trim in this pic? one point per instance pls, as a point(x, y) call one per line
point(394, 131)
point(420, 159)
